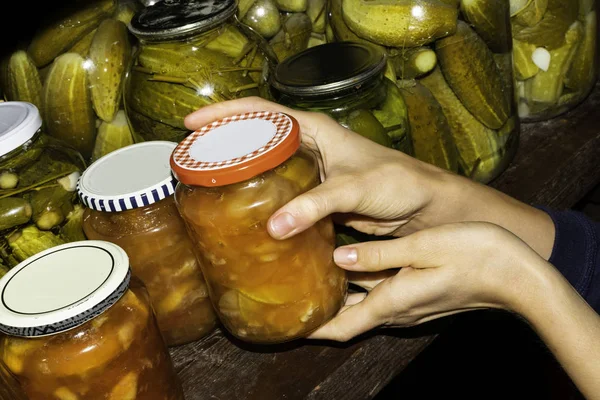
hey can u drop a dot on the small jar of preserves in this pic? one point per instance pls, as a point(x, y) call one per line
point(39, 207)
point(346, 81)
point(233, 175)
point(78, 327)
point(129, 201)
point(555, 55)
point(190, 54)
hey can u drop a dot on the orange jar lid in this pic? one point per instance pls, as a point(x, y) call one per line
point(235, 149)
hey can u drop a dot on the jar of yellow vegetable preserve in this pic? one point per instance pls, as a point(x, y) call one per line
point(233, 175)
point(129, 198)
point(555, 55)
point(79, 327)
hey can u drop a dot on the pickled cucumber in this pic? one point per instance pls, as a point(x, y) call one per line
point(82, 47)
point(366, 125)
point(525, 68)
point(112, 136)
point(62, 32)
point(551, 30)
point(489, 18)
point(583, 68)
point(263, 17)
point(477, 145)
point(412, 63)
point(14, 211)
point(393, 115)
point(109, 52)
point(30, 240)
point(431, 135)
point(51, 206)
point(469, 68)
point(548, 86)
point(317, 12)
point(24, 83)
point(533, 13)
point(230, 41)
point(400, 23)
point(293, 36)
point(338, 26)
point(144, 128)
point(292, 6)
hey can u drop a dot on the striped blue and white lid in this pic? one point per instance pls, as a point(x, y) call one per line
point(62, 288)
point(134, 176)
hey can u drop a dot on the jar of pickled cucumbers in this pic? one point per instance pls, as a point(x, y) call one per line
point(39, 207)
point(72, 68)
point(78, 327)
point(346, 81)
point(233, 175)
point(191, 53)
point(129, 201)
point(555, 55)
point(290, 26)
point(453, 61)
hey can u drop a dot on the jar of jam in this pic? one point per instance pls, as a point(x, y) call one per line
point(190, 54)
point(233, 175)
point(77, 326)
point(39, 207)
point(129, 198)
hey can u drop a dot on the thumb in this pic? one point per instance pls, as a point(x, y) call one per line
point(332, 196)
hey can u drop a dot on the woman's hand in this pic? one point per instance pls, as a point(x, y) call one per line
point(382, 191)
point(444, 270)
point(386, 187)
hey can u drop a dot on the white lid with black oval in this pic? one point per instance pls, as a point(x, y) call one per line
point(62, 287)
point(132, 177)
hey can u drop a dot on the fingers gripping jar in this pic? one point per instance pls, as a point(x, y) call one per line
point(129, 199)
point(233, 175)
point(79, 328)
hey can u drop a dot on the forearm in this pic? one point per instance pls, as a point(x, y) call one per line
point(465, 200)
point(569, 327)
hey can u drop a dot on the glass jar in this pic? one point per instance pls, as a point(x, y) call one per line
point(77, 327)
point(346, 81)
point(291, 26)
point(39, 207)
point(190, 54)
point(463, 58)
point(233, 175)
point(555, 55)
point(72, 69)
point(130, 202)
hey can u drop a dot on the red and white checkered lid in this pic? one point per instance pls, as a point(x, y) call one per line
point(236, 148)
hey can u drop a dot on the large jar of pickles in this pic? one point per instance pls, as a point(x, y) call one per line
point(555, 55)
point(191, 53)
point(78, 327)
point(129, 198)
point(233, 175)
point(346, 81)
point(72, 68)
point(290, 26)
point(39, 207)
point(454, 56)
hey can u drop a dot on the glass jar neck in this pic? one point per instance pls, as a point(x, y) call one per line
point(342, 102)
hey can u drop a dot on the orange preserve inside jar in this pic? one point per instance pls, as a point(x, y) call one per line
point(233, 175)
point(129, 201)
point(77, 326)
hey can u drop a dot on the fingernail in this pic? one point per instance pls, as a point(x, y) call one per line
point(283, 224)
point(345, 256)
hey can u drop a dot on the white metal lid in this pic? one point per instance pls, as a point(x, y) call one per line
point(131, 177)
point(62, 287)
point(19, 121)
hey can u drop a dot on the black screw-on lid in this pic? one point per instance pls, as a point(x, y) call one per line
point(176, 19)
point(328, 69)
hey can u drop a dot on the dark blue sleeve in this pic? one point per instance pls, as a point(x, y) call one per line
point(576, 252)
